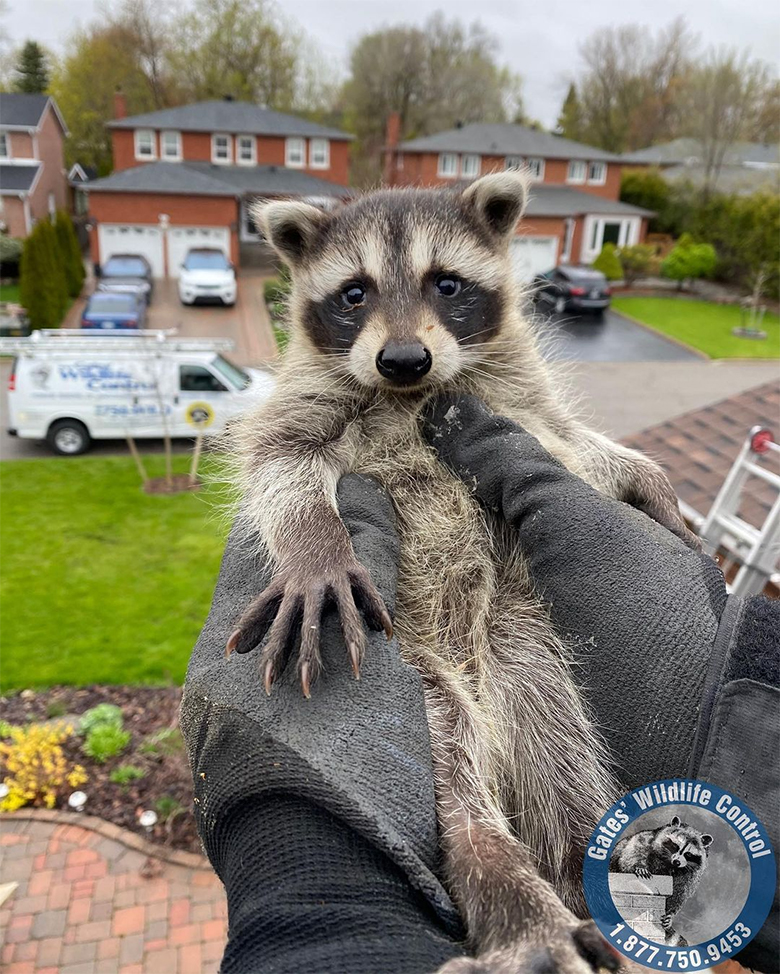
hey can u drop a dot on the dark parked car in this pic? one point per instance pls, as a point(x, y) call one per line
point(127, 273)
point(571, 288)
point(114, 312)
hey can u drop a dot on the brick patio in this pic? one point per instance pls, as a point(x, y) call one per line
point(82, 906)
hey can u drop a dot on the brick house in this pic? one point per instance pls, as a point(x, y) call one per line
point(184, 177)
point(33, 181)
point(574, 207)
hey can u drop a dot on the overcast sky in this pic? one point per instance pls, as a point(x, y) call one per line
point(538, 40)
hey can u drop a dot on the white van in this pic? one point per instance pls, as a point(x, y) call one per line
point(69, 388)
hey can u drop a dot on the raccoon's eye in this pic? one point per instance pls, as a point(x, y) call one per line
point(353, 295)
point(671, 845)
point(447, 285)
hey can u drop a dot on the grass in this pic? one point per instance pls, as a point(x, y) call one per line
point(9, 292)
point(703, 325)
point(100, 582)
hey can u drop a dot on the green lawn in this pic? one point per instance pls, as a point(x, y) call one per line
point(703, 325)
point(100, 582)
point(9, 292)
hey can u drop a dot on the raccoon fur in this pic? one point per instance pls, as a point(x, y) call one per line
point(396, 296)
point(675, 850)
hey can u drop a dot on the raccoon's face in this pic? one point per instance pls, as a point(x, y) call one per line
point(683, 846)
point(402, 289)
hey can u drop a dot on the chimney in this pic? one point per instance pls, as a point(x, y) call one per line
point(392, 138)
point(120, 104)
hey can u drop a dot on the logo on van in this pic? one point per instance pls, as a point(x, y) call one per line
point(100, 376)
point(199, 414)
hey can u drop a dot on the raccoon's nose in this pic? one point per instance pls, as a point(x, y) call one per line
point(405, 362)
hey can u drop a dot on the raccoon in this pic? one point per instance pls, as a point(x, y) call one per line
point(675, 850)
point(396, 296)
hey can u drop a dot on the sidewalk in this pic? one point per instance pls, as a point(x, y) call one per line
point(81, 906)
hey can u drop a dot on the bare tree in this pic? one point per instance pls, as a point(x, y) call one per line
point(147, 26)
point(721, 99)
point(434, 77)
point(629, 91)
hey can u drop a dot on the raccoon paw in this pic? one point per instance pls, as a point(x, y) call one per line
point(666, 921)
point(581, 950)
point(294, 604)
point(642, 873)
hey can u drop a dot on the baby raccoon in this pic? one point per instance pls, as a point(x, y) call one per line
point(397, 296)
point(675, 850)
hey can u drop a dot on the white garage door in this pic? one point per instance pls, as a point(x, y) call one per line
point(533, 255)
point(116, 238)
point(182, 239)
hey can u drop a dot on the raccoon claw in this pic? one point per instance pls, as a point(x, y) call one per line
point(642, 873)
point(294, 603)
point(666, 921)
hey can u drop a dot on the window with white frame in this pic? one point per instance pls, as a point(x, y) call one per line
point(5, 146)
point(295, 153)
point(513, 162)
point(170, 146)
point(535, 169)
point(220, 148)
point(319, 153)
point(448, 165)
point(144, 144)
point(470, 166)
point(246, 151)
point(597, 173)
point(577, 171)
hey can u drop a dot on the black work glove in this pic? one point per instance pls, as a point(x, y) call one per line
point(682, 678)
point(318, 815)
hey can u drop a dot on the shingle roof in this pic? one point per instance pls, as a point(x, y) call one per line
point(20, 110)
point(161, 177)
point(15, 180)
point(236, 117)
point(505, 140)
point(205, 179)
point(564, 201)
point(270, 180)
point(680, 151)
point(698, 448)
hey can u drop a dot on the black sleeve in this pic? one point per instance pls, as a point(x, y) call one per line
point(307, 894)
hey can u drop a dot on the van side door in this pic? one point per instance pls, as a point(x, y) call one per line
point(198, 399)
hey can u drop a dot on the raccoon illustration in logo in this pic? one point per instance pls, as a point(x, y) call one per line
point(677, 850)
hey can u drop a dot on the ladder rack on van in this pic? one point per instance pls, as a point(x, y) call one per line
point(74, 339)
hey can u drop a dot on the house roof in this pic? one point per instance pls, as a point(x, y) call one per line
point(689, 151)
point(698, 448)
point(206, 179)
point(17, 180)
point(237, 117)
point(562, 201)
point(23, 111)
point(506, 140)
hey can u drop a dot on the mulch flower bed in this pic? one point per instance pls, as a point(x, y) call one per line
point(151, 717)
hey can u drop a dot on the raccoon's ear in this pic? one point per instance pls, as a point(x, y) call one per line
point(706, 839)
point(498, 200)
point(290, 227)
point(675, 821)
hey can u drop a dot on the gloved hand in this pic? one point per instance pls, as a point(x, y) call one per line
point(682, 678)
point(319, 815)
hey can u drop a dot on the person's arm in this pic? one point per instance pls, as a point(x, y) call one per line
point(681, 677)
point(319, 815)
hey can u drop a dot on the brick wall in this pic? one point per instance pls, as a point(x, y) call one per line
point(53, 178)
point(196, 147)
point(641, 902)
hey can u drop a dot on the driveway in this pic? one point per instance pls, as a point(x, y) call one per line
point(246, 323)
point(613, 338)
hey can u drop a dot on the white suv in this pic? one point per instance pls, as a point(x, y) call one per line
point(207, 274)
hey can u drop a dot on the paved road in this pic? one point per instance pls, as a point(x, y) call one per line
point(611, 338)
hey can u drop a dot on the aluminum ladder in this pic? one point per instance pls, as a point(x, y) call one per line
point(130, 345)
point(758, 548)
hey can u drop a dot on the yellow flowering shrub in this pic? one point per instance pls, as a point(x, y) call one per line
point(36, 767)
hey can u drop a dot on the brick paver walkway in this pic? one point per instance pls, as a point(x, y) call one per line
point(82, 906)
